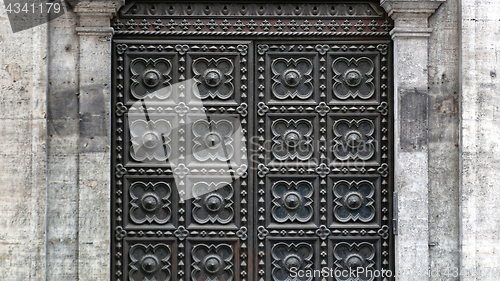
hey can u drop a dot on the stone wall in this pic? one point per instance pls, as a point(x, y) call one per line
point(480, 147)
point(62, 147)
point(38, 158)
point(23, 83)
point(443, 110)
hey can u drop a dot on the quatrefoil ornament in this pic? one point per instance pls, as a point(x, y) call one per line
point(354, 201)
point(292, 201)
point(213, 140)
point(353, 78)
point(150, 202)
point(288, 258)
point(149, 262)
point(213, 202)
point(292, 139)
point(354, 139)
point(352, 256)
point(212, 262)
point(151, 78)
point(213, 78)
point(292, 78)
point(150, 140)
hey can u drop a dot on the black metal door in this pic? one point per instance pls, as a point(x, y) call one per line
point(249, 158)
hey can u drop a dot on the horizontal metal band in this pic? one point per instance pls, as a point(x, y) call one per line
point(251, 33)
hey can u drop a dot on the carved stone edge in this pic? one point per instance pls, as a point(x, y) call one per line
point(411, 17)
point(410, 32)
point(94, 31)
point(420, 7)
point(96, 7)
point(95, 15)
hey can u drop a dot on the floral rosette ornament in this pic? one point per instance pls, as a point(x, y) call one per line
point(213, 202)
point(350, 257)
point(150, 140)
point(292, 139)
point(292, 78)
point(150, 202)
point(212, 140)
point(213, 78)
point(150, 78)
point(353, 139)
point(150, 262)
point(212, 262)
point(288, 259)
point(353, 78)
point(292, 201)
point(354, 201)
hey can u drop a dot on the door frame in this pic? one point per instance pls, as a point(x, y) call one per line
point(410, 35)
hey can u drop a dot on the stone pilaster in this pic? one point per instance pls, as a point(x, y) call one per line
point(410, 36)
point(95, 35)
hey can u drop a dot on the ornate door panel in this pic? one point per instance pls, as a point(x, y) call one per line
point(251, 158)
point(322, 129)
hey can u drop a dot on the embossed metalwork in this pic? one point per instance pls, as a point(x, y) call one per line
point(292, 78)
point(150, 78)
point(150, 17)
point(353, 78)
point(346, 123)
point(150, 262)
point(292, 201)
point(353, 139)
point(308, 85)
point(350, 256)
point(288, 258)
point(212, 262)
point(323, 232)
point(212, 140)
point(213, 77)
point(292, 139)
point(354, 201)
point(213, 202)
point(150, 140)
point(150, 202)
point(172, 147)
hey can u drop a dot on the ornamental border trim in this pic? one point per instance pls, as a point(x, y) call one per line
point(202, 19)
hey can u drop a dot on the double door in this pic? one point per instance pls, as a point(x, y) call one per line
point(251, 160)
